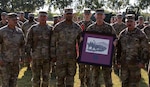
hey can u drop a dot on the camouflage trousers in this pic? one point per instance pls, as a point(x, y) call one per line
point(10, 71)
point(65, 71)
point(53, 70)
point(40, 69)
point(85, 75)
point(106, 71)
point(130, 76)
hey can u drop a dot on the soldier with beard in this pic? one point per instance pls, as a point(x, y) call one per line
point(132, 53)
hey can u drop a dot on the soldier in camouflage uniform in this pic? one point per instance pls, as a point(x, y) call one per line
point(146, 30)
point(65, 36)
point(85, 70)
point(38, 44)
point(140, 24)
point(118, 26)
point(3, 22)
point(132, 53)
point(55, 20)
point(21, 17)
point(28, 23)
point(113, 19)
point(25, 28)
point(12, 42)
point(101, 27)
point(53, 71)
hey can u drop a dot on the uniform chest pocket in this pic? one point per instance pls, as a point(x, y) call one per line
point(7, 39)
point(72, 35)
point(12, 38)
point(46, 35)
point(136, 40)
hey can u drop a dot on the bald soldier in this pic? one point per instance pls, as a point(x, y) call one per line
point(84, 70)
point(132, 53)
point(12, 49)
point(65, 36)
point(38, 48)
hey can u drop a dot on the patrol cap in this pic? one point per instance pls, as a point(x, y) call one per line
point(55, 17)
point(130, 17)
point(68, 10)
point(100, 11)
point(3, 14)
point(141, 18)
point(87, 11)
point(21, 12)
point(12, 15)
point(43, 13)
point(119, 15)
point(30, 15)
point(146, 22)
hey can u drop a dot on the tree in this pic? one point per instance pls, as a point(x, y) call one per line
point(59, 4)
point(143, 4)
point(21, 5)
point(93, 4)
point(117, 5)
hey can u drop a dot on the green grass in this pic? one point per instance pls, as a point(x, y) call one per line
point(24, 79)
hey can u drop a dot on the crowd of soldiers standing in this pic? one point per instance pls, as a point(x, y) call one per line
point(54, 49)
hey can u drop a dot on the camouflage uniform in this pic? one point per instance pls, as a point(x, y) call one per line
point(27, 25)
point(140, 26)
point(85, 70)
point(3, 15)
point(118, 28)
point(12, 42)
point(38, 44)
point(53, 64)
point(132, 50)
point(1, 24)
point(146, 30)
point(107, 29)
point(21, 13)
point(84, 24)
point(25, 28)
point(64, 40)
point(104, 28)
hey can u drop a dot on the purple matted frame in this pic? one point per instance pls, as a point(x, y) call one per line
point(96, 49)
